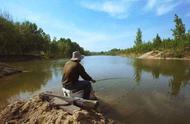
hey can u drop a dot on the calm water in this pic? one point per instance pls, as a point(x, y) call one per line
point(131, 91)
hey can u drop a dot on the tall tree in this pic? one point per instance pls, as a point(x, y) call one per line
point(138, 40)
point(157, 40)
point(179, 30)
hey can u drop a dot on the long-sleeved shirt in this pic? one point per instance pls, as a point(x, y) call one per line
point(71, 72)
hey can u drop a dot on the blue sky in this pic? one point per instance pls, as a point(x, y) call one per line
point(101, 24)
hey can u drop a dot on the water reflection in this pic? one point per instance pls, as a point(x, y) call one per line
point(138, 71)
point(37, 75)
point(132, 90)
point(178, 71)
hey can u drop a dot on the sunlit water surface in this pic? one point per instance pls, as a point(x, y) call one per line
point(130, 91)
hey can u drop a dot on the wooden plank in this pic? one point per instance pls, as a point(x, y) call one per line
point(61, 104)
point(58, 101)
point(84, 103)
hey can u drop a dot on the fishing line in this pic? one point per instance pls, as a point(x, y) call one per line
point(104, 79)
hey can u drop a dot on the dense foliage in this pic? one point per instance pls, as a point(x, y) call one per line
point(178, 46)
point(27, 38)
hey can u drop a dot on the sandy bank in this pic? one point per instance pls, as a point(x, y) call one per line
point(161, 55)
point(38, 111)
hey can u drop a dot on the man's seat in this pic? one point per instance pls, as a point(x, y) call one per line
point(72, 93)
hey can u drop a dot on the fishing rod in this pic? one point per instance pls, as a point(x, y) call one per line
point(104, 79)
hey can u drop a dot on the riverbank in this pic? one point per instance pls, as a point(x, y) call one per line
point(168, 55)
point(36, 110)
point(15, 58)
point(6, 70)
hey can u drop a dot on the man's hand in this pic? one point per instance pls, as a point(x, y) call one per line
point(93, 80)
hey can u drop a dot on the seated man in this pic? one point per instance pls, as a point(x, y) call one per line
point(72, 70)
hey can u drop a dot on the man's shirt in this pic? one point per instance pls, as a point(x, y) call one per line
point(71, 72)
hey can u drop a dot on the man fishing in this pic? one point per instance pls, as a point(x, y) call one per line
point(72, 70)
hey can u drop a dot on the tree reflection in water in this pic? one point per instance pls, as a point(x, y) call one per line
point(178, 70)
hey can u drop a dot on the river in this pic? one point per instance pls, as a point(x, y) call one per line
point(131, 91)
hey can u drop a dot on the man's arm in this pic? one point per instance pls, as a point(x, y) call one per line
point(84, 74)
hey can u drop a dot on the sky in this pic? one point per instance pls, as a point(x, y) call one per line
point(99, 25)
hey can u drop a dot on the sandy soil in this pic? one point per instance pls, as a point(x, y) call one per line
point(36, 111)
point(161, 55)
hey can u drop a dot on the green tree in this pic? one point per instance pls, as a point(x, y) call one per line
point(157, 41)
point(8, 37)
point(138, 40)
point(27, 38)
point(188, 35)
point(179, 30)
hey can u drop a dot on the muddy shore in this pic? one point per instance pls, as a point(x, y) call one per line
point(6, 70)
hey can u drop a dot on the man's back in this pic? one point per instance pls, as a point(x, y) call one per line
point(72, 71)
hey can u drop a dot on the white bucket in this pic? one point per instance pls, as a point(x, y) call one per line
point(70, 93)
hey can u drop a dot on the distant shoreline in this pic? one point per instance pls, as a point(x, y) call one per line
point(14, 58)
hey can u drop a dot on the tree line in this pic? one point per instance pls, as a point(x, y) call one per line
point(177, 46)
point(26, 38)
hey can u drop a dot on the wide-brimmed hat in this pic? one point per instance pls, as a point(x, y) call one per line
point(77, 56)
